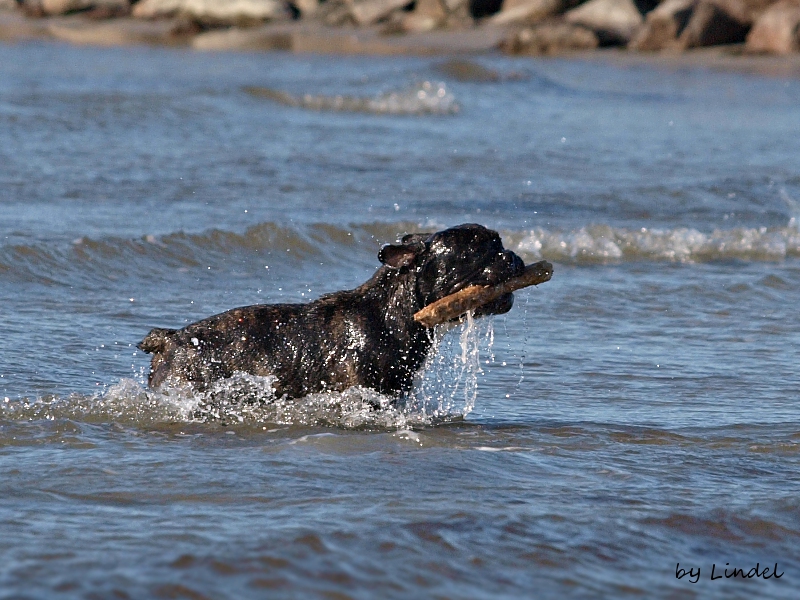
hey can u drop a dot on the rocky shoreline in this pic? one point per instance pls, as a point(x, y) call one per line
point(764, 34)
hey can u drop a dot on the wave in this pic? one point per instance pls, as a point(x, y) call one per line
point(89, 258)
point(426, 98)
point(603, 244)
point(445, 391)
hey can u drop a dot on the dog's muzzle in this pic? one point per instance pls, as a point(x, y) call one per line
point(498, 307)
point(510, 265)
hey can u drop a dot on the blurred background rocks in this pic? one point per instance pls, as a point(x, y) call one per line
point(532, 27)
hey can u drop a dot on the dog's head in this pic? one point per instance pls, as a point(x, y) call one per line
point(450, 260)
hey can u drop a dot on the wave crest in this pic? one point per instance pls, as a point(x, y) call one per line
point(602, 243)
point(426, 98)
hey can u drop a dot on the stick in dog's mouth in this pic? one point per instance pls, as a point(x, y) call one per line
point(453, 306)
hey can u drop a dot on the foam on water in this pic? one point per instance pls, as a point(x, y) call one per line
point(794, 209)
point(603, 243)
point(420, 99)
point(445, 390)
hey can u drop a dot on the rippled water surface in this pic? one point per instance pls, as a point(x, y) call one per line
point(636, 412)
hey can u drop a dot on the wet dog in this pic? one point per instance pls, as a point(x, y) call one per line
point(362, 337)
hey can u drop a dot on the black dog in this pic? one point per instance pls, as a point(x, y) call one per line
point(366, 336)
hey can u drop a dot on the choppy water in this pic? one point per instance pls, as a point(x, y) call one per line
point(638, 411)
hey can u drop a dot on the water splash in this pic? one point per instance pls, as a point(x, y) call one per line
point(423, 98)
point(127, 402)
point(794, 209)
point(447, 386)
point(446, 390)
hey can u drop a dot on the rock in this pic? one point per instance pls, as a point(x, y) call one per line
point(334, 12)
point(550, 37)
point(613, 21)
point(115, 32)
point(527, 11)
point(412, 23)
point(249, 39)
point(432, 14)
point(459, 12)
point(715, 22)
point(663, 25)
point(777, 30)
point(367, 12)
point(359, 12)
point(44, 8)
point(751, 10)
point(154, 9)
point(682, 24)
point(432, 9)
point(213, 12)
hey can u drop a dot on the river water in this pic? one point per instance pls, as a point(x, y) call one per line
point(634, 417)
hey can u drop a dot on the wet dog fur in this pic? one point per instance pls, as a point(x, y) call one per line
point(362, 337)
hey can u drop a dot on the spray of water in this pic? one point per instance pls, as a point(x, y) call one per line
point(447, 386)
point(794, 209)
point(445, 390)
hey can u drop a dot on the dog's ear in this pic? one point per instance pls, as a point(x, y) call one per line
point(411, 238)
point(399, 256)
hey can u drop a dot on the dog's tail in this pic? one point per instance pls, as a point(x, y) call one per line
point(156, 340)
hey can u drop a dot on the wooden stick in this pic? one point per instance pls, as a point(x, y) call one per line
point(457, 304)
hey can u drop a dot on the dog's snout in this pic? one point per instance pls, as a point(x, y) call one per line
point(509, 265)
point(514, 262)
point(505, 266)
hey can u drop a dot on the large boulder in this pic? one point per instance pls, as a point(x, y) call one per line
point(213, 12)
point(550, 37)
point(777, 30)
point(613, 21)
point(663, 25)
